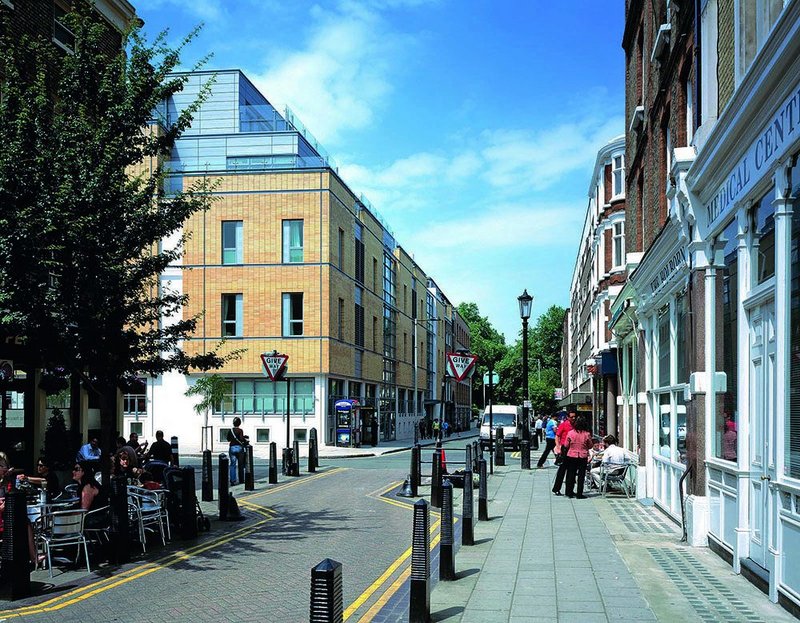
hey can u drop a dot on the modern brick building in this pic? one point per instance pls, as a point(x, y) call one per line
point(591, 384)
point(710, 317)
point(290, 259)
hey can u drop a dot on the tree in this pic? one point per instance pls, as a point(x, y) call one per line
point(486, 342)
point(212, 390)
point(82, 219)
point(547, 337)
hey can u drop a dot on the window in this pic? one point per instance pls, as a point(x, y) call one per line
point(61, 34)
point(663, 348)
point(689, 112)
point(262, 397)
point(340, 329)
point(764, 239)
point(223, 435)
point(232, 312)
point(618, 174)
point(292, 241)
point(359, 317)
point(300, 435)
point(375, 274)
point(135, 403)
point(232, 242)
point(792, 433)
point(389, 280)
point(359, 261)
point(727, 303)
point(262, 435)
point(756, 19)
point(292, 313)
point(375, 333)
point(618, 243)
point(682, 338)
point(136, 427)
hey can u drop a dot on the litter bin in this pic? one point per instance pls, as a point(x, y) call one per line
point(182, 500)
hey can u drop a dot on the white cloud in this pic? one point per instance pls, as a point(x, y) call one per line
point(208, 10)
point(337, 79)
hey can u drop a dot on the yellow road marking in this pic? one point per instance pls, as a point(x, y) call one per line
point(384, 576)
point(294, 483)
point(97, 588)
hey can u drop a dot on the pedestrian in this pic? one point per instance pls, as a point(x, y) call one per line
point(436, 428)
point(428, 428)
point(561, 439)
point(236, 441)
point(538, 427)
point(446, 428)
point(422, 428)
point(578, 442)
point(550, 439)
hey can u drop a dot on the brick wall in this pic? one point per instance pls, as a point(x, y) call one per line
point(725, 52)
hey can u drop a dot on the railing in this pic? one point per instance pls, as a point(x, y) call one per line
point(258, 404)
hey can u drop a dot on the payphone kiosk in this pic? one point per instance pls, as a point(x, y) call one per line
point(348, 434)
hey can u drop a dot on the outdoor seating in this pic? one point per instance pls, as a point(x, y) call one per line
point(63, 529)
point(147, 512)
point(619, 478)
point(97, 525)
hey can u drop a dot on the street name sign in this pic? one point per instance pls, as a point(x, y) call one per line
point(495, 378)
point(274, 365)
point(460, 365)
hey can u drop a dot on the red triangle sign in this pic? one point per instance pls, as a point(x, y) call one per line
point(274, 365)
point(461, 365)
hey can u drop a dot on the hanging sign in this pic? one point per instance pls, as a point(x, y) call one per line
point(6, 370)
point(461, 365)
point(274, 365)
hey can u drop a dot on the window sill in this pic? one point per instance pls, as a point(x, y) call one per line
point(63, 46)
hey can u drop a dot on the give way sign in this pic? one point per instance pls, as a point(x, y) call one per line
point(461, 365)
point(274, 365)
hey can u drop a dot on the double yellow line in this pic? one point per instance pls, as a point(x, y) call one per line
point(96, 588)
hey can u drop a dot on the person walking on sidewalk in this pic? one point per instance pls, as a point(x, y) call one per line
point(578, 442)
point(550, 439)
point(237, 441)
point(561, 438)
point(537, 427)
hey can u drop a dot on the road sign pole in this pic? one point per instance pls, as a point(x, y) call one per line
point(288, 400)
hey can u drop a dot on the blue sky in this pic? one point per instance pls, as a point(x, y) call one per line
point(471, 126)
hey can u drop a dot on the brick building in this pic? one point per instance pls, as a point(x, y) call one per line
point(591, 383)
point(290, 259)
point(710, 315)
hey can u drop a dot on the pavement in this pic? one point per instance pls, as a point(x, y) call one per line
point(388, 447)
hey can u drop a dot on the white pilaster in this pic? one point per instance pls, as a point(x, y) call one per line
point(697, 520)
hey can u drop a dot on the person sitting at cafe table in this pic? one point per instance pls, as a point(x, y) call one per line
point(126, 464)
point(138, 448)
point(612, 455)
point(89, 498)
point(45, 479)
point(89, 451)
point(160, 450)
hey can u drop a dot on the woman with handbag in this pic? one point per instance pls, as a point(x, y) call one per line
point(578, 442)
point(237, 441)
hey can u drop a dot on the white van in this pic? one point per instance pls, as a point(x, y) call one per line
point(507, 417)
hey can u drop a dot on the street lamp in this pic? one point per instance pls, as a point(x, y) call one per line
point(525, 302)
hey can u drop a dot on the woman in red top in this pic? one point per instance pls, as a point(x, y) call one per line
point(578, 443)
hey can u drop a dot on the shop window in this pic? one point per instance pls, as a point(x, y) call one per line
point(663, 347)
point(262, 435)
point(665, 426)
point(727, 297)
point(792, 433)
point(764, 239)
point(682, 344)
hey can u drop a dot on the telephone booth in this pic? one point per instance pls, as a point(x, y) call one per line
point(348, 434)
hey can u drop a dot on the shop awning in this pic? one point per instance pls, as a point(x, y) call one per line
point(576, 398)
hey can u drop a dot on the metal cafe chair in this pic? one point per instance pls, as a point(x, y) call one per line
point(64, 529)
point(614, 476)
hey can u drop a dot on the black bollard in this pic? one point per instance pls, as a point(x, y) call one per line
point(223, 487)
point(273, 463)
point(175, 458)
point(467, 511)
point(286, 461)
point(420, 590)
point(416, 434)
point(436, 479)
point(241, 466)
point(208, 477)
point(483, 505)
point(313, 437)
point(249, 477)
point(188, 517)
point(447, 556)
point(120, 523)
point(15, 567)
point(477, 454)
point(296, 458)
point(415, 453)
point(525, 454)
point(499, 449)
point(326, 592)
point(468, 456)
point(535, 442)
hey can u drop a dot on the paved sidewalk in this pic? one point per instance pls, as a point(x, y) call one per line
point(386, 447)
point(547, 559)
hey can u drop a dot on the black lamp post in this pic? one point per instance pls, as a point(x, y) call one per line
point(525, 302)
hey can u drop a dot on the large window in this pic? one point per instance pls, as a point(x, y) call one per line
point(292, 313)
point(292, 241)
point(263, 397)
point(792, 433)
point(764, 239)
point(618, 245)
point(618, 173)
point(232, 313)
point(727, 303)
point(671, 376)
point(756, 19)
point(232, 244)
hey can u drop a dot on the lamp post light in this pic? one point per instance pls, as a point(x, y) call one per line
point(525, 302)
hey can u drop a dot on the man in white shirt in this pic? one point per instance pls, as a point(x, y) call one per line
point(612, 455)
point(89, 451)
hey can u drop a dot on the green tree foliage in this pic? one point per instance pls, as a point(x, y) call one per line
point(79, 231)
point(212, 390)
point(486, 342)
point(544, 347)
